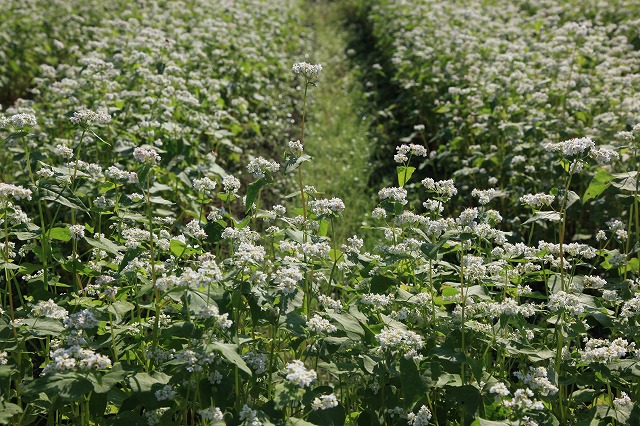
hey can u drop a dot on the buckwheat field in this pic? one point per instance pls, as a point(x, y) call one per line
point(329, 212)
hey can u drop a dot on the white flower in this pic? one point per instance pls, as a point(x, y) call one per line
point(569, 302)
point(20, 121)
point(500, 388)
point(258, 167)
point(166, 393)
point(324, 402)
point(15, 191)
point(212, 414)
point(327, 207)
point(230, 184)
point(398, 195)
point(148, 156)
point(86, 117)
point(298, 375)
point(309, 71)
point(623, 401)
point(421, 418)
point(77, 232)
point(249, 416)
point(571, 147)
point(49, 309)
point(537, 200)
point(317, 324)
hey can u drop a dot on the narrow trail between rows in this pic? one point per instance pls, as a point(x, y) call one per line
point(336, 130)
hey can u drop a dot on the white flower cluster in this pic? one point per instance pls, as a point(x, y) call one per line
point(76, 358)
point(537, 379)
point(298, 375)
point(49, 309)
point(154, 417)
point(421, 418)
point(82, 320)
point(319, 325)
point(204, 185)
point(571, 147)
point(327, 207)
point(411, 149)
point(16, 191)
point(377, 300)
point(537, 201)
point(288, 278)
point(508, 307)
point(522, 400)
point(330, 303)
point(166, 393)
point(211, 311)
point(404, 341)
point(195, 361)
point(444, 189)
point(324, 402)
point(259, 167)
point(212, 414)
point(4, 360)
point(77, 232)
point(144, 155)
point(257, 361)
point(230, 184)
point(571, 249)
point(395, 194)
point(570, 303)
point(500, 388)
point(296, 148)
point(631, 307)
point(116, 174)
point(87, 117)
point(64, 152)
point(603, 155)
point(622, 402)
point(20, 121)
point(485, 196)
point(249, 416)
point(601, 350)
point(309, 71)
point(195, 228)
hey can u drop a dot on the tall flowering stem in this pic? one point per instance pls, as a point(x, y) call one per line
point(310, 73)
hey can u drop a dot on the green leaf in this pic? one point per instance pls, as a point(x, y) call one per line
point(547, 215)
point(160, 200)
point(144, 382)
point(120, 308)
point(600, 182)
point(431, 250)
point(347, 323)
point(229, 352)
point(381, 284)
point(105, 244)
point(103, 384)
point(572, 197)
point(7, 411)
point(450, 292)
point(404, 174)
point(413, 387)
point(253, 191)
point(60, 234)
point(293, 162)
point(66, 386)
point(71, 200)
point(626, 181)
